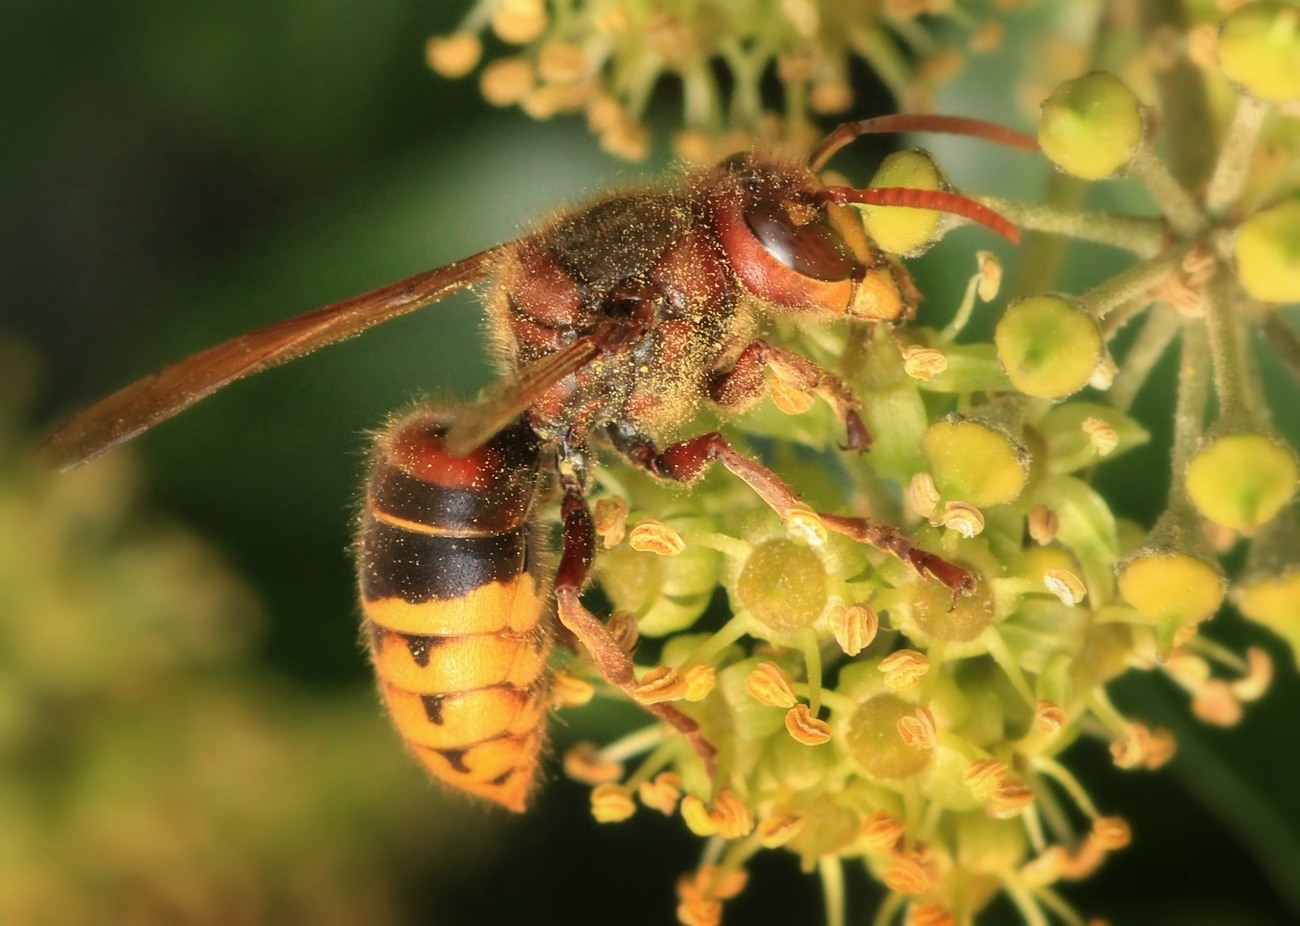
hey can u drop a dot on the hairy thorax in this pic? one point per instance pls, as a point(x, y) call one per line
point(651, 260)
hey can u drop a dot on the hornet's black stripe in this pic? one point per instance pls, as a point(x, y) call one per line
point(500, 504)
point(398, 563)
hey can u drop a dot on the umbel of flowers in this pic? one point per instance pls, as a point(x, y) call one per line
point(604, 59)
point(863, 714)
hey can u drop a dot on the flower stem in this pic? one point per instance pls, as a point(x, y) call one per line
point(477, 18)
point(831, 870)
point(1057, 904)
point(1062, 776)
point(1033, 822)
point(653, 763)
point(888, 909)
point(1132, 283)
point(1122, 314)
point(1189, 412)
point(1100, 705)
point(1023, 899)
point(1173, 200)
point(746, 105)
point(1225, 334)
point(886, 58)
point(832, 699)
point(1233, 167)
point(1140, 236)
point(1041, 256)
point(726, 635)
point(1219, 653)
point(1046, 813)
point(997, 648)
point(633, 744)
point(1161, 326)
point(962, 315)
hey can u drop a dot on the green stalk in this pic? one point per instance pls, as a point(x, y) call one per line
point(1189, 413)
point(1141, 236)
point(1224, 329)
point(1134, 282)
point(1122, 314)
point(831, 870)
point(1233, 167)
point(1160, 328)
point(1172, 198)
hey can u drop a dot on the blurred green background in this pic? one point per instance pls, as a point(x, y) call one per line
point(174, 174)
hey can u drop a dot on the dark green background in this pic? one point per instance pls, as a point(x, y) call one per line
point(172, 174)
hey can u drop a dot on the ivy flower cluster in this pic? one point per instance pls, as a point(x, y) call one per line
point(605, 59)
point(862, 714)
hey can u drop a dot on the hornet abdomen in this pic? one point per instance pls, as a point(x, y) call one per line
point(457, 612)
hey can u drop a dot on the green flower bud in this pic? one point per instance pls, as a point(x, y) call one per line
point(977, 463)
point(1268, 252)
point(873, 739)
point(1171, 586)
point(1242, 480)
point(783, 584)
point(1173, 581)
point(1048, 345)
point(1259, 49)
point(901, 230)
point(1273, 601)
point(1269, 589)
point(1091, 126)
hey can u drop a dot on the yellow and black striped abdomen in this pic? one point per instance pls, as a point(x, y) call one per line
point(457, 615)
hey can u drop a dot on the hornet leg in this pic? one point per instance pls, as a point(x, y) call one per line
point(745, 382)
point(687, 459)
point(578, 550)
